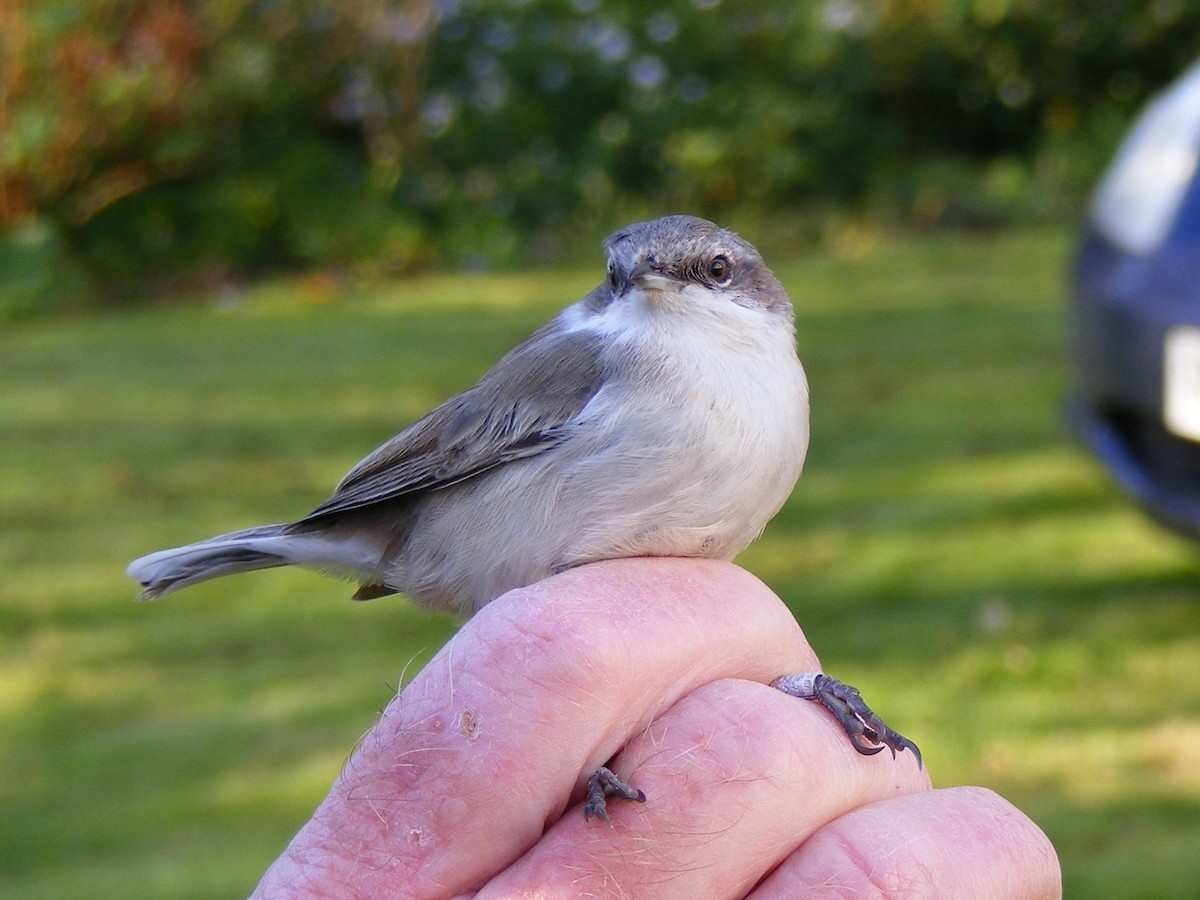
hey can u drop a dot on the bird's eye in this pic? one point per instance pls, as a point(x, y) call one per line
point(612, 276)
point(720, 269)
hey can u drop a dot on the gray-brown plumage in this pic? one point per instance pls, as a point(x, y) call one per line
point(665, 413)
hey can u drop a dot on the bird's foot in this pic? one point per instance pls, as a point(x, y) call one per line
point(602, 785)
point(865, 729)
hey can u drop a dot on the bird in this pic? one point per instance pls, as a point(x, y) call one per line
point(663, 414)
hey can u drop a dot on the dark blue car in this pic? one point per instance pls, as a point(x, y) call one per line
point(1135, 317)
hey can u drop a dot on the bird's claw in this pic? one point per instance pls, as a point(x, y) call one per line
point(602, 785)
point(867, 732)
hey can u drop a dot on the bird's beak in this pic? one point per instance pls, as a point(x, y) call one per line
point(647, 276)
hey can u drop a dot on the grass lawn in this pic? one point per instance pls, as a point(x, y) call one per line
point(948, 550)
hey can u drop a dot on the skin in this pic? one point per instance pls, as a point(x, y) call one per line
point(471, 783)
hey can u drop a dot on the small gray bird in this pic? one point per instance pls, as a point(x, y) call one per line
point(664, 414)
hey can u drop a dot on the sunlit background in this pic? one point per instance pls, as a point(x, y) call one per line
point(242, 243)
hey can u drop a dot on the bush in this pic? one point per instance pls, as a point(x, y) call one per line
point(37, 274)
point(163, 141)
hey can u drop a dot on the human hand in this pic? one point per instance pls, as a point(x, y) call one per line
point(471, 783)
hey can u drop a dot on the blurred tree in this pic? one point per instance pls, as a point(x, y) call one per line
point(160, 138)
point(170, 140)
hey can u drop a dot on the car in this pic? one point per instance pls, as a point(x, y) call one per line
point(1134, 318)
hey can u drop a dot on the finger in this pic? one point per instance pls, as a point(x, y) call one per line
point(959, 842)
point(738, 775)
point(495, 735)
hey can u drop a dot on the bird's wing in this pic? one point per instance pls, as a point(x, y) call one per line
point(522, 407)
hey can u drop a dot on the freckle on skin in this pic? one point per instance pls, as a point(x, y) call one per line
point(467, 723)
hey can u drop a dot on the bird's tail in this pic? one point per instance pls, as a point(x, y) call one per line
point(240, 551)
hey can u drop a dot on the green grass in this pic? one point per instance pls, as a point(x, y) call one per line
point(948, 550)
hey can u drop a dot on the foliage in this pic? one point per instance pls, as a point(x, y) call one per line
point(948, 550)
point(170, 141)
